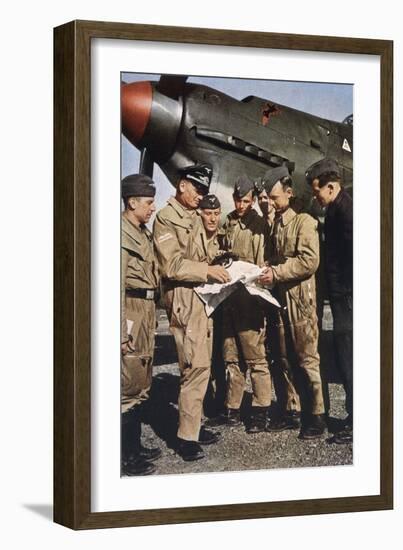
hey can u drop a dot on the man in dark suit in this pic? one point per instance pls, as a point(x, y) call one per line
point(325, 179)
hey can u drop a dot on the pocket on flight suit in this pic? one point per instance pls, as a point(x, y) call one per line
point(304, 302)
point(181, 306)
point(198, 339)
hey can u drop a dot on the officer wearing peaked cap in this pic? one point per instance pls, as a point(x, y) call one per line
point(294, 259)
point(198, 174)
point(184, 264)
point(324, 178)
point(243, 318)
point(139, 282)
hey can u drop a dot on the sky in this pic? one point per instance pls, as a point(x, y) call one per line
point(326, 100)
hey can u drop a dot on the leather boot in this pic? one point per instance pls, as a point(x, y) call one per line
point(290, 420)
point(143, 414)
point(132, 463)
point(315, 427)
point(189, 450)
point(208, 437)
point(257, 421)
point(345, 435)
point(231, 417)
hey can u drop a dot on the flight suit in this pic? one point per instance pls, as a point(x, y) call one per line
point(243, 317)
point(287, 396)
point(294, 257)
point(183, 255)
point(139, 274)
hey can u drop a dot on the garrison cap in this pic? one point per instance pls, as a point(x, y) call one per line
point(137, 185)
point(210, 201)
point(323, 166)
point(199, 174)
point(243, 185)
point(272, 176)
point(259, 186)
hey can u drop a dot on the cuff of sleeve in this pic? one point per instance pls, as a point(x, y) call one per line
point(204, 269)
point(276, 274)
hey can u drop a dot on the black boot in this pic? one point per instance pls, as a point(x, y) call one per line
point(150, 453)
point(290, 420)
point(189, 450)
point(133, 464)
point(231, 417)
point(345, 435)
point(257, 421)
point(143, 414)
point(208, 437)
point(315, 427)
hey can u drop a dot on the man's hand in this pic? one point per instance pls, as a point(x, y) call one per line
point(218, 274)
point(124, 348)
point(267, 277)
point(128, 347)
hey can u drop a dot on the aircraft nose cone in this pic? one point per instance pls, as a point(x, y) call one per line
point(136, 109)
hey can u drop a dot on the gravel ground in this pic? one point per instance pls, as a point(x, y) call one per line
point(237, 450)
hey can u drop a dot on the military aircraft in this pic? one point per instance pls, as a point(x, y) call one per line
point(175, 124)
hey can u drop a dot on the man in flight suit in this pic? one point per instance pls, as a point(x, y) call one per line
point(325, 180)
point(263, 201)
point(210, 213)
point(182, 253)
point(139, 282)
point(287, 396)
point(294, 259)
point(244, 318)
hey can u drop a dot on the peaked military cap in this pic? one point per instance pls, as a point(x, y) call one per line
point(323, 166)
point(210, 201)
point(243, 185)
point(137, 185)
point(199, 174)
point(272, 176)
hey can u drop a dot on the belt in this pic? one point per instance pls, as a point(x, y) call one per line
point(145, 293)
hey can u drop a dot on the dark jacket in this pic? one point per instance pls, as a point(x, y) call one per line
point(339, 246)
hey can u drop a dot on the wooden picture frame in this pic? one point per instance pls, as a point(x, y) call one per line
point(72, 272)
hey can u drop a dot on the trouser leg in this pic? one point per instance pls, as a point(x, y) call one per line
point(342, 311)
point(131, 434)
point(234, 364)
point(244, 342)
point(252, 343)
point(136, 368)
point(217, 366)
point(235, 385)
point(261, 382)
point(194, 355)
point(282, 373)
point(305, 339)
point(344, 348)
point(136, 380)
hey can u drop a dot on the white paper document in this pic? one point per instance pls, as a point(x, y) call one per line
point(241, 273)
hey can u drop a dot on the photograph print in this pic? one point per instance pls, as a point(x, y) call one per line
point(236, 274)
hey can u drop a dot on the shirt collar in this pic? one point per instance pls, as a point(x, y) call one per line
point(180, 209)
point(245, 220)
point(339, 196)
point(287, 216)
point(134, 231)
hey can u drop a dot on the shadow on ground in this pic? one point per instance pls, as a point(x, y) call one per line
point(44, 510)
